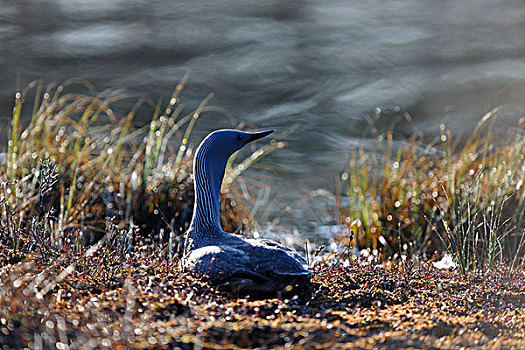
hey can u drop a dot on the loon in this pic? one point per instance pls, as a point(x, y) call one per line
point(236, 264)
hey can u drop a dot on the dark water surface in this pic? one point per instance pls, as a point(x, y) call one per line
point(321, 65)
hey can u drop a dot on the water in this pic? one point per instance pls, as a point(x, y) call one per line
point(321, 66)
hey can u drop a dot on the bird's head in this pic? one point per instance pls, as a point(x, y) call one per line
point(223, 143)
point(208, 169)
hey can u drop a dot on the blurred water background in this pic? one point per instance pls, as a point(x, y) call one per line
point(320, 66)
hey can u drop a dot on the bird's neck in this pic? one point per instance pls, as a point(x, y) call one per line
point(208, 173)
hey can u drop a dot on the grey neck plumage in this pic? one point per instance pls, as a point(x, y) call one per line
point(208, 173)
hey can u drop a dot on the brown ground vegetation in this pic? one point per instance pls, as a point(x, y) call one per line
point(142, 301)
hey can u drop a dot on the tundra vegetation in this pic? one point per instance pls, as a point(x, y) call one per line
point(94, 207)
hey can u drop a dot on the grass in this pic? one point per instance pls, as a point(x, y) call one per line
point(410, 196)
point(92, 209)
point(103, 166)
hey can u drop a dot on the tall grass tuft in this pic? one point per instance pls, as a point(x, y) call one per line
point(85, 163)
point(468, 194)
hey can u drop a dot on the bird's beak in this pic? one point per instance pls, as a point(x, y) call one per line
point(257, 135)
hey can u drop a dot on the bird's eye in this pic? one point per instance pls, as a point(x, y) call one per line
point(240, 137)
